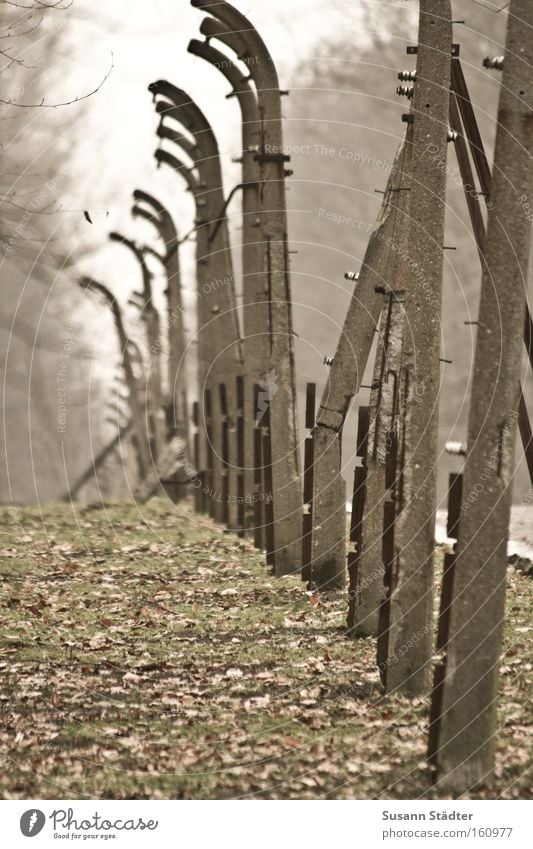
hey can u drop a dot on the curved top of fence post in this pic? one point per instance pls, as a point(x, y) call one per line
point(203, 152)
point(199, 173)
point(260, 68)
point(180, 99)
point(241, 88)
point(165, 233)
point(265, 74)
point(206, 158)
point(186, 112)
point(173, 135)
point(212, 28)
point(107, 294)
point(139, 256)
point(150, 200)
point(178, 113)
point(180, 168)
point(162, 221)
point(91, 283)
point(140, 212)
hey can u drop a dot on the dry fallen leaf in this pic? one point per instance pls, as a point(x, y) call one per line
point(234, 673)
point(292, 742)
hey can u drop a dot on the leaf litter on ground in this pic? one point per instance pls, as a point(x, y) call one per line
point(145, 653)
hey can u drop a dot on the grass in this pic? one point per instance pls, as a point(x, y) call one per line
point(145, 653)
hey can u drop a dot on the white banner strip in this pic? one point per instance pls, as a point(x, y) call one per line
point(267, 825)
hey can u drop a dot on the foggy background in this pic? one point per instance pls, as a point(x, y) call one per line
point(339, 60)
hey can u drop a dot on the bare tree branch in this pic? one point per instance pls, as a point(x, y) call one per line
point(13, 60)
point(11, 34)
point(38, 4)
point(43, 105)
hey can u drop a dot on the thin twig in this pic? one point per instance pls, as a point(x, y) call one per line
point(38, 4)
point(43, 105)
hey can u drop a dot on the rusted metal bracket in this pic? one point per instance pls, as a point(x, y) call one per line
point(221, 215)
point(307, 522)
